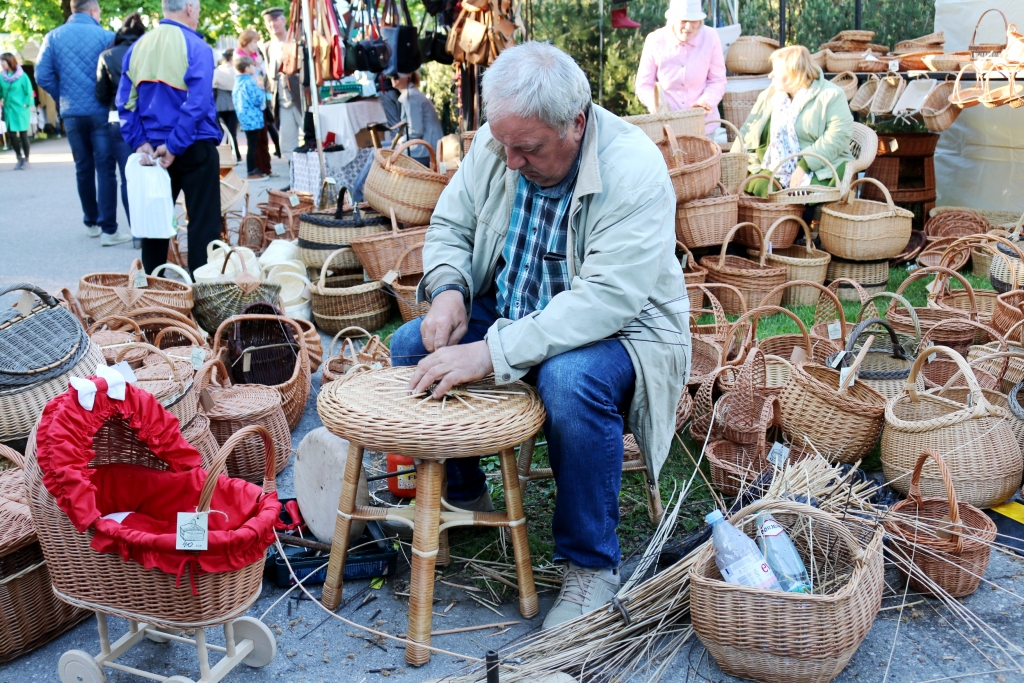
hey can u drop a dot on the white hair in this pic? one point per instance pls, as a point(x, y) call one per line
point(175, 6)
point(536, 79)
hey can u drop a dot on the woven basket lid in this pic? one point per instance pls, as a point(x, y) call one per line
point(36, 345)
point(242, 401)
point(377, 410)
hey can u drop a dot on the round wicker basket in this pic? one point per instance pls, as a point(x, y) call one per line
point(348, 302)
point(401, 183)
point(751, 55)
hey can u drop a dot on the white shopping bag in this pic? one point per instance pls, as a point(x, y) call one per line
point(149, 199)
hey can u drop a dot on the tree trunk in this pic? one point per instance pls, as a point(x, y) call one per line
point(65, 7)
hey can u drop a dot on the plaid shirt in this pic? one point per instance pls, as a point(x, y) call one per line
point(532, 268)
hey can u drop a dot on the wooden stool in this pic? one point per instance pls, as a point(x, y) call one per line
point(376, 410)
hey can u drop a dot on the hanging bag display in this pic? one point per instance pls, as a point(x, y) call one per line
point(373, 53)
point(403, 39)
point(433, 44)
point(290, 48)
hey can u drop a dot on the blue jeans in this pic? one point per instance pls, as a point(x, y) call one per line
point(586, 391)
point(121, 153)
point(95, 169)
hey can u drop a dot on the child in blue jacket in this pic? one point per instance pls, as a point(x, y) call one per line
point(249, 100)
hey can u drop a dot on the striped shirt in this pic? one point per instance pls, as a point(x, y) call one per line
point(532, 268)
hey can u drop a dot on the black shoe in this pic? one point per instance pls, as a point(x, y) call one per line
point(305, 149)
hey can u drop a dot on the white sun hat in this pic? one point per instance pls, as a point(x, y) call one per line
point(685, 10)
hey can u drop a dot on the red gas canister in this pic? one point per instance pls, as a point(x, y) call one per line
point(404, 485)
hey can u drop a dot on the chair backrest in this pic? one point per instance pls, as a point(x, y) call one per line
point(863, 147)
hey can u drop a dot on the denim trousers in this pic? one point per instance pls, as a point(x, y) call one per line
point(586, 392)
point(121, 153)
point(95, 169)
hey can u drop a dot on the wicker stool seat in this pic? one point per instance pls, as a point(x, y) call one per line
point(375, 410)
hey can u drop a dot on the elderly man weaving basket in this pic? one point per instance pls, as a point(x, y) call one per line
point(550, 257)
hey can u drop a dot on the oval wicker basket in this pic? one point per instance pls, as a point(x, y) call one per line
point(103, 294)
point(684, 122)
point(706, 221)
point(401, 183)
point(694, 164)
point(118, 332)
point(806, 194)
point(170, 380)
point(753, 278)
point(847, 81)
point(971, 96)
point(349, 302)
point(860, 279)
point(751, 55)
point(888, 94)
point(740, 625)
point(378, 253)
point(982, 452)
point(937, 111)
point(373, 354)
point(37, 341)
point(322, 233)
point(861, 102)
point(865, 230)
point(838, 62)
point(947, 61)
point(763, 213)
point(801, 263)
point(948, 564)
point(217, 301)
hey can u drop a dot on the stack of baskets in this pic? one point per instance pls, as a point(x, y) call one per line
point(282, 211)
point(321, 233)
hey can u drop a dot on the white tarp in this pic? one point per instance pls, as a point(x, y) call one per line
point(980, 160)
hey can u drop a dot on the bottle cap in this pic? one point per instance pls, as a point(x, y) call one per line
point(714, 516)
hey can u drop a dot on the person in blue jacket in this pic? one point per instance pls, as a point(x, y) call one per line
point(249, 100)
point(168, 114)
point(66, 69)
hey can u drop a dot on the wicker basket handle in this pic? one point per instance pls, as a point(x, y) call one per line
point(390, 161)
point(914, 494)
point(955, 97)
point(107, 320)
point(205, 375)
point(673, 145)
point(330, 351)
point(174, 269)
point(753, 315)
point(974, 36)
point(767, 176)
point(1020, 324)
point(707, 286)
point(981, 404)
point(241, 261)
point(947, 272)
point(805, 154)
point(213, 246)
point(176, 372)
point(321, 283)
point(721, 321)
point(40, 293)
point(808, 241)
point(689, 254)
point(883, 188)
point(185, 332)
point(12, 455)
point(401, 259)
point(1003, 367)
point(851, 343)
point(219, 464)
point(855, 366)
point(74, 306)
point(824, 293)
point(394, 223)
point(897, 300)
point(819, 516)
point(297, 332)
point(728, 237)
point(1015, 231)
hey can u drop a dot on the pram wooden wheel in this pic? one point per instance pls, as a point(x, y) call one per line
point(264, 645)
point(76, 666)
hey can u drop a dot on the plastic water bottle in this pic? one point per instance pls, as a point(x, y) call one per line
point(737, 556)
point(781, 554)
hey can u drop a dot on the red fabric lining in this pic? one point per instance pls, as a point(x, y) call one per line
point(147, 536)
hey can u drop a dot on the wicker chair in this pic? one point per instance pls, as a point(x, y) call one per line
point(864, 147)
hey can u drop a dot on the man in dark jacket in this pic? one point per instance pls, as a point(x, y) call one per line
point(165, 101)
point(66, 69)
point(108, 77)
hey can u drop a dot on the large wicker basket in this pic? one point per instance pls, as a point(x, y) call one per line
point(349, 302)
point(378, 253)
point(103, 294)
point(751, 55)
point(218, 301)
point(683, 122)
point(323, 233)
point(31, 615)
point(981, 450)
point(694, 164)
point(776, 637)
point(801, 263)
point(865, 230)
point(753, 278)
point(401, 183)
point(764, 214)
point(706, 221)
point(953, 564)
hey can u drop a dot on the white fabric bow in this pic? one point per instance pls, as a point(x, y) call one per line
point(87, 389)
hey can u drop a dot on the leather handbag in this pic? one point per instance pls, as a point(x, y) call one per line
point(473, 38)
point(433, 45)
point(290, 48)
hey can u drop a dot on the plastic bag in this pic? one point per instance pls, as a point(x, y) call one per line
point(149, 199)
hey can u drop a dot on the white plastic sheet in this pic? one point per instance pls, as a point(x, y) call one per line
point(979, 161)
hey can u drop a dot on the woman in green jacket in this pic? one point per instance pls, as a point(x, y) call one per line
point(799, 112)
point(16, 95)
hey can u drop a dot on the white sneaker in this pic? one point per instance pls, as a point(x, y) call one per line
point(110, 239)
point(93, 230)
point(583, 591)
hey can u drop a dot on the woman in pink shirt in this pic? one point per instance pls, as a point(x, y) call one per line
point(685, 59)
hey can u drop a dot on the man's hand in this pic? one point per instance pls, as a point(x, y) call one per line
point(163, 156)
point(146, 150)
point(445, 322)
point(452, 365)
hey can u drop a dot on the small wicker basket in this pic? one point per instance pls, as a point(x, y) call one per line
point(401, 183)
point(753, 278)
point(803, 263)
point(351, 301)
point(706, 221)
point(847, 81)
point(751, 55)
point(694, 164)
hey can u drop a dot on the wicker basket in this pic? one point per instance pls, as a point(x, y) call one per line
point(403, 287)
point(776, 637)
point(982, 50)
point(887, 364)
point(970, 96)
point(954, 564)
point(753, 278)
point(170, 380)
point(763, 213)
point(801, 263)
point(916, 61)
point(958, 337)
point(322, 233)
point(198, 434)
point(861, 102)
point(847, 82)
point(865, 230)
point(982, 453)
point(683, 122)
point(751, 55)
point(352, 302)
point(705, 222)
point(871, 276)
point(694, 164)
point(241, 405)
point(937, 38)
point(735, 165)
point(736, 106)
point(39, 338)
point(113, 332)
point(735, 466)
point(373, 354)
point(103, 294)
point(693, 274)
point(277, 350)
point(838, 62)
point(378, 253)
point(401, 183)
point(218, 301)
point(947, 61)
point(748, 409)
point(808, 194)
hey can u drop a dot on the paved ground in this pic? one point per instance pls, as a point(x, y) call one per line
point(42, 241)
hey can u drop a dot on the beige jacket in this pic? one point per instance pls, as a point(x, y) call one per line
point(623, 269)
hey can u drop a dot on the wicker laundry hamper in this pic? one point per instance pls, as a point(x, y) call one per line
point(401, 183)
point(753, 633)
point(30, 614)
point(103, 294)
point(351, 301)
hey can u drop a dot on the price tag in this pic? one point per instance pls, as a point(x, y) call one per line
point(197, 358)
point(279, 228)
point(190, 533)
point(932, 286)
point(25, 303)
point(207, 400)
point(835, 330)
point(442, 168)
point(844, 373)
point(246, 361)
point(376, 365)
point(838, 359)
point(769, 247)
point(140, 281)
point(293, 199)
point(931, 357)
point(778, 455)
point(798, 355)
point(683, 260)
point(126, 371)
point(389, 277)
point(894, 64)
point(305, 292)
